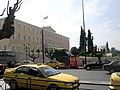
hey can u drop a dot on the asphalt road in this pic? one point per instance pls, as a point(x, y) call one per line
point(85, 76)
point(90, 76)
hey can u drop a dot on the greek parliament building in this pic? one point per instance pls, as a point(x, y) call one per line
point(27, 35)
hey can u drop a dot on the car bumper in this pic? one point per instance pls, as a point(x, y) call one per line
point(70, 88)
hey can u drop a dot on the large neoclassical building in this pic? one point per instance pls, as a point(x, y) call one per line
point(27, 35)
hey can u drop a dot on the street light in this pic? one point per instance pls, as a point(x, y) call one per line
point(26, 47)
point(43, 52)
point(85, 33)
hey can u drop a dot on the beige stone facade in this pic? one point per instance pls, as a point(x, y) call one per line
point(30, 36)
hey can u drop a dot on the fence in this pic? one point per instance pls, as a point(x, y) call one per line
point(28, 83)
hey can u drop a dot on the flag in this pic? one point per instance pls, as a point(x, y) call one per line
point(46, 17)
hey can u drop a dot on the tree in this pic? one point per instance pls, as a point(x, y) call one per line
point(74, 51)
point(115, 52)
point(107, 47)
point(48, 52)
point(33, 55)
point(38, 51)
point(90, 42)
point(8, 26)
point(82, 42)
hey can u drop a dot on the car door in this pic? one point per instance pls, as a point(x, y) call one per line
point(37, 79)
point(21, 75)
point(97, 65)
point(101, 63)
point(51, 63)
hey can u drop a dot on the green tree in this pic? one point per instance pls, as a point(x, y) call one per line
point(107, 47)
point(82, 42)
point(33, 55)
point(115, 52)
point(74, 51)
point(90, 42)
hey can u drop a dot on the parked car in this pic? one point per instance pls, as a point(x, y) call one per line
point(55, 64)
point(96, 65)
point(115, 80)
point(114, 66)
point(39, 77)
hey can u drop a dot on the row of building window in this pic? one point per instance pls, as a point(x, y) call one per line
point(29, 39)
point(33, 30)
point(18, 48)
point(36, 40)
point(48, 34)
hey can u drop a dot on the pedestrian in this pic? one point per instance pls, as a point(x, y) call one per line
point(9, 64)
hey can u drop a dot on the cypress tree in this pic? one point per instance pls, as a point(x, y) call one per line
point(90, 42)
point(82, 41)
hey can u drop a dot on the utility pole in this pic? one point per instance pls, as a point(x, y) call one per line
point(43, 45)
point(84, 31)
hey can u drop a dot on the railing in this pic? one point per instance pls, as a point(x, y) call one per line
point(28, 83)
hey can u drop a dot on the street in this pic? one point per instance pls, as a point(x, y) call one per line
point(90, 76)
point(86, 76)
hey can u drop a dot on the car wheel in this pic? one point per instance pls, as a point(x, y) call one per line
point(88, 68)
point(57, 67)
point(53, 87)
point(111, 71)
point(13, 85)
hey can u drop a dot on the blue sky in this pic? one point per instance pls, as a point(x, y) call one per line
point(65, 17)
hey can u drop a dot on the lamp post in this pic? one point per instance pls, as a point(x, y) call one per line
point(43, 52)
point(85, 33)
point(26, 47)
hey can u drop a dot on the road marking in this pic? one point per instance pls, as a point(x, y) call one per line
point(97, 82)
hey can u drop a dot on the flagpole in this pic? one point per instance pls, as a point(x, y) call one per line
point(84, 31)
point(43, 48)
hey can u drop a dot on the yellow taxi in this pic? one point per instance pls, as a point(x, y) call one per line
point(39, 77)
point(55, 64)
point(115, 80)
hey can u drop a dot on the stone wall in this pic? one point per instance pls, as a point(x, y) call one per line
point(94, 59)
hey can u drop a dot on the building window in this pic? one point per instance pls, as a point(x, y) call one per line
point(24, 37)
point(24, 27)
point(33, 39)
point(13, 47)
point(37, 40)
point(33, 30)
point(18, 36)
point(19, 26)
point(29, 39)
point(19, 48)
point(5, 48)
point(29, 29)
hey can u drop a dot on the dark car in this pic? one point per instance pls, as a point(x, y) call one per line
point(96, 65)
point(114, 66)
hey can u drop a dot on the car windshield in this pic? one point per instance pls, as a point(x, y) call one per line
point(114, 62)
point(49, 71)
